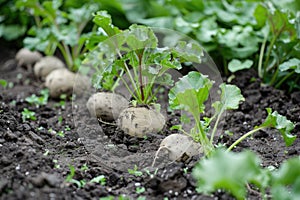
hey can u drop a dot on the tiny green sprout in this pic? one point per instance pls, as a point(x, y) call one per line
point(19, 76)
point(38, 100)
point(84, 167)
point(13, 103)
point(99, 179)
point(140, 190)
point(135, 171)
point(10, 85)
point(67, 128)
point(60, 119)
point(28, 115)
point(185, 170)
point(61, 133)
point(3, 83)
point(56, 165)
point(62, 102)
point(50, 130)
point(40, 128)
point(46, 152)
point(33, 99)
point(227, 132)
point(151, 174)
point(141, 198)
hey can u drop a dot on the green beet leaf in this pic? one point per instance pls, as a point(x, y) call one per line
point(230, 98)
point(291, 64)
point(141, 37)
point(261, 15)
point(281, 123)
point(236, 65)
point(190, 93)
point(191, 52)
point(229, 171)
point(103, 20)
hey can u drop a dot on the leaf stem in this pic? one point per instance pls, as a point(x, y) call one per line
point(273, 80)
point(207, 145)
point(215, 127)
point(284, 79)
point(141, 76)
point(243, 137)
point(261, 56)
point(117, 81)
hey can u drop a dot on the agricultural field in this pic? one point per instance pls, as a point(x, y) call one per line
point(162, 99)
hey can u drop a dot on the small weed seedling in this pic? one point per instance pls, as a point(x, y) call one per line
point(99, 179)
point(38, 100)
point(140, 190)
point(84, 167)
point(56, 165)
point(81, 183)
point(3, 83)
point(135, 171)
point(28, 115)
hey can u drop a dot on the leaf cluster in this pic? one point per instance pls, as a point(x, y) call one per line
point(13, 23)
point(244, 34)
point(192, 91)
point(133, 56)
point(56, 28)
point(244, 168)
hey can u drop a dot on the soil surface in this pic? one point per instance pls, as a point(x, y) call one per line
point(36, 155)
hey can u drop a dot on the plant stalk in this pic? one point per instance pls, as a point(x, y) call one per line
point(215, 127)
point(243, 137)
point(261, 56)
point(141, 77)
point(207, 146)
point(284, 79)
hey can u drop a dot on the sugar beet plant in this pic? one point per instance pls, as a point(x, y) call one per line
point(58, 29)
point(189, 94)
point(132, 59)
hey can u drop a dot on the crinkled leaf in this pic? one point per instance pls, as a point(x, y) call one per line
point(141, 37)
point(236, 65)
point(51, 7)
point(208, 30)
point(190, 93)
point(230, 98)
point(82, 14)
point(260, 14)
point(291, 64)
point(11, 32)
point(281, 123)
point(279, 22)
point(103, 20)
point(227, 170)
point(190, 52)
point(240, 42)
point(66, 34)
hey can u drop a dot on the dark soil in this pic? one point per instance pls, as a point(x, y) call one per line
point(35, 162)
